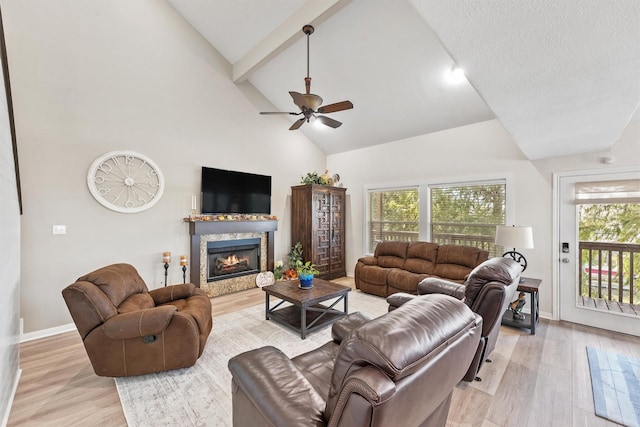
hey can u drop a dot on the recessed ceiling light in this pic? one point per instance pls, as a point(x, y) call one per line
point(455, 76)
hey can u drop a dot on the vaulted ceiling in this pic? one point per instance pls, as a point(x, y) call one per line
point(562, 77)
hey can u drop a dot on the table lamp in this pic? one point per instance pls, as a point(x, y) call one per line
point(515, 236)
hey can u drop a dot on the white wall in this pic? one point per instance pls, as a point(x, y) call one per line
point(10, 265)
point(94, 76)
point(467, 153)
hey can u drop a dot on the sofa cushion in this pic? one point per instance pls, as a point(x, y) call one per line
point(391, 254)
point(421, 257)
point(455, 262)
point(404, 281)
point(136, 302)
point(373, 274)
point(117, 281)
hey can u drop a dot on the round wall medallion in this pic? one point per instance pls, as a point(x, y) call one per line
point(125, 181)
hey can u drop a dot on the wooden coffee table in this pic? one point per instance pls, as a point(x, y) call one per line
point(306, 314)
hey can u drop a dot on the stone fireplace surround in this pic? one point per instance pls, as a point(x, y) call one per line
point(202, 232)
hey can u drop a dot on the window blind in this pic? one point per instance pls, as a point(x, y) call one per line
point(620, 191)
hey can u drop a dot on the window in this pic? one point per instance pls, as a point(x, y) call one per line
point(393, 215)
point(458, 214)
point(467, 214)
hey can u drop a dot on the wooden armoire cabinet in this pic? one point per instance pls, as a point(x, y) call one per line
point(318, 222)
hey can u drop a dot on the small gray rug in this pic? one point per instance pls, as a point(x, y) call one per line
point(201, 395)
point(615, 380)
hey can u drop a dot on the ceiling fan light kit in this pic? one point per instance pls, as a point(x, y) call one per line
point(309, 103)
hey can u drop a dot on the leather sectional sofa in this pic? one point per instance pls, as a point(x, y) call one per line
point(400, 266)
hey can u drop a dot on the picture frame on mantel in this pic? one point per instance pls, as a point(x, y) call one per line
point(7, 92)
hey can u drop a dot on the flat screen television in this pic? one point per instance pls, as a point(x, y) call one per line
point(231, 192)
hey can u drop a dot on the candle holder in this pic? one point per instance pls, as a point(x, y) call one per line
point(166, 259)
point(183, 263)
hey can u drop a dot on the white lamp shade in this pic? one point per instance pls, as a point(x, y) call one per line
point(514, 236)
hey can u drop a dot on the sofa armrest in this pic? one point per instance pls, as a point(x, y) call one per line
point(369, 260)
point(399, 298)
point(370, 383)
point(340, 329)
point(272, 390)
point(139, 323)
point(172, 293)
point(491, 303)
point(434, 285)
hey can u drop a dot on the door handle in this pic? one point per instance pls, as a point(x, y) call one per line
point(565, 260)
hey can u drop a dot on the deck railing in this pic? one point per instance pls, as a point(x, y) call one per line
point(610, 271)
point(482, 235)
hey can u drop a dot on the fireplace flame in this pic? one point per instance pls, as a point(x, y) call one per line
point(231, 261)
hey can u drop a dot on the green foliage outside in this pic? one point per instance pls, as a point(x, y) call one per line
point(612, 223)
point(394, 216)
point(472, 210)
point(465, 214)
point(618, 222)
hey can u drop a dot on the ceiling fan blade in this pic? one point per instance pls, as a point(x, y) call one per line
point(329, 121)
point(338, 106)
point(298, 123)
point(279, 112)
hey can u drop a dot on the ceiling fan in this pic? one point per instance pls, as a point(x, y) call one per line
point(309, 103)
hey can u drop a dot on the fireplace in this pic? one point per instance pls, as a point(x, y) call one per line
point(204, 232)
point(232, 258)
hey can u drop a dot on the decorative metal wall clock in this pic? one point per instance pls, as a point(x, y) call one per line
point(125, 181)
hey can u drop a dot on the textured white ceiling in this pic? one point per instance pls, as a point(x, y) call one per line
point(562, 76)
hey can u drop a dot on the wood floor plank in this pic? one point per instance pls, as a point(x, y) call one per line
point(535, 380)
point(548, 406)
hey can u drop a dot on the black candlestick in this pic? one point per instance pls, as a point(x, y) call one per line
point(184, 274)
point(166, 272)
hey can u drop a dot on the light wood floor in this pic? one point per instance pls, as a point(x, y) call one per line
point(540, 380)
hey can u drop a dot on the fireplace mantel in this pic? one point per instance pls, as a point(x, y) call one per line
point(199, 228)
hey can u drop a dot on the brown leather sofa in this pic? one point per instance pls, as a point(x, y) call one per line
point(128, 330)
point(400, 266)
point(399, 369)
point(488, 291)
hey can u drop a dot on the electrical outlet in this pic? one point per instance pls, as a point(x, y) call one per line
point(59, 229)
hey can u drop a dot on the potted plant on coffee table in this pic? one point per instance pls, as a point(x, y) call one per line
point(306, 271)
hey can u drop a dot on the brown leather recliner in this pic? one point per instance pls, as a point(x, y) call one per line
point(128, 330)
point(488, 290)
point(399, 369)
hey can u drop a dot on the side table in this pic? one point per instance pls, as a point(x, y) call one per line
point(529, 286)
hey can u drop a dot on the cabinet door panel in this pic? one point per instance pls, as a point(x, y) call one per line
point(318, 223)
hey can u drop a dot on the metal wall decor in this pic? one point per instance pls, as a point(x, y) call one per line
point(125, 181)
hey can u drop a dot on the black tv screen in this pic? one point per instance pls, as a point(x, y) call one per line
point(231, 192)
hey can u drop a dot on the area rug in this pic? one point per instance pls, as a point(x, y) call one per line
point(615, 380)
point(201, 395)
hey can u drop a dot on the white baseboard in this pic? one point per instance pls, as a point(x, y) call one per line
point(47, 332)
point(12, 396)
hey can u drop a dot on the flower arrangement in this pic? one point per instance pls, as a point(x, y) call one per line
point(278, 270)
point(324, 179)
